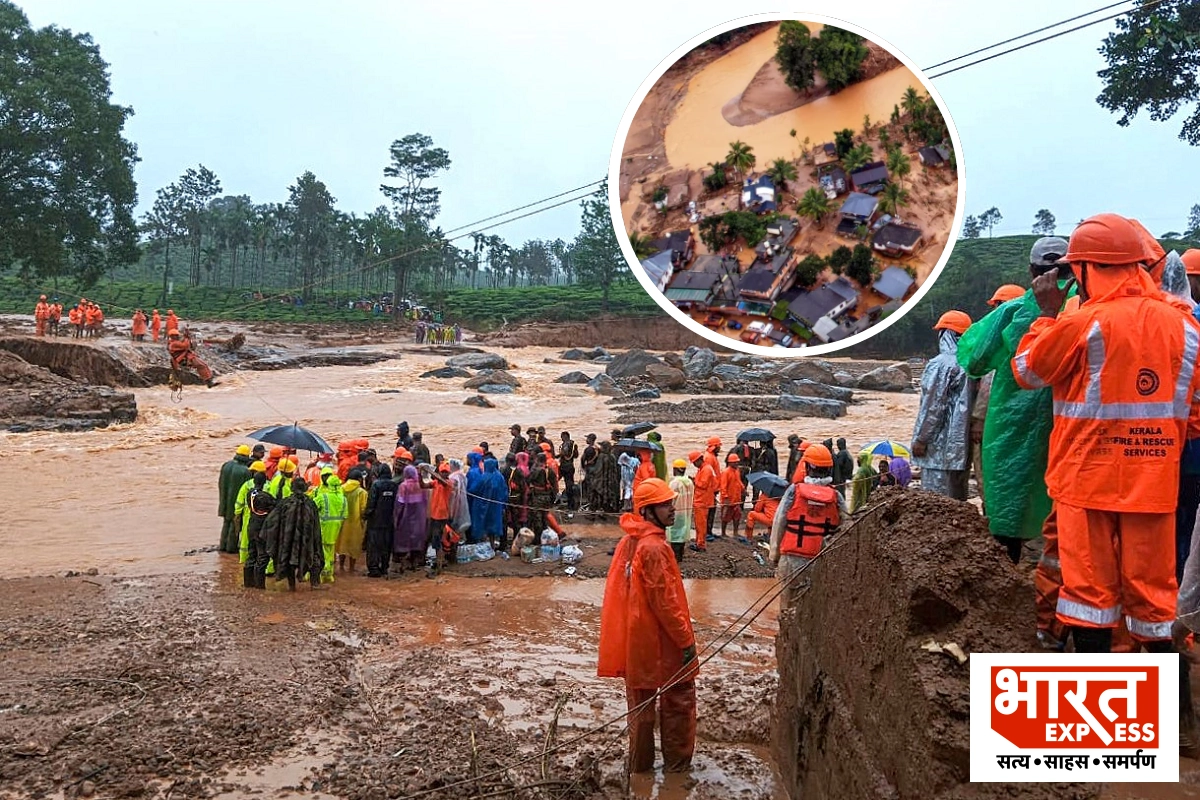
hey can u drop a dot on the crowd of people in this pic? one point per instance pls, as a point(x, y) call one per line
point(1077, 403)
point(436, 333)
point(85, 319)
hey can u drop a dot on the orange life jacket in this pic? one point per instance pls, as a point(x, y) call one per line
point(813, 516)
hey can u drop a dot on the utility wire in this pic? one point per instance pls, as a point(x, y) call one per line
point(1024, 35)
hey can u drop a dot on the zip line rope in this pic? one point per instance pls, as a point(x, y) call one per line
point(774, 590)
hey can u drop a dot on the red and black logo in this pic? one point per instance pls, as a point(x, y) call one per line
point(1147, 382)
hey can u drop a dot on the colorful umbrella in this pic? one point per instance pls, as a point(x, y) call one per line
point(886, 447)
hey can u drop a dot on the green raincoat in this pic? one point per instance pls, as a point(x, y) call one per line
point(331, 508)
point(1016, 432)
point(659, 458)
point(242, 510)
point(865, 480)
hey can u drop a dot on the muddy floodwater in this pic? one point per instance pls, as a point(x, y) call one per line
point(115, 589)
point(699, 133)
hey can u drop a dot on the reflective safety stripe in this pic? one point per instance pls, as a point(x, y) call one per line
point(1086, 613)
point(1026, 373)
point(328, 515)
point(1093, 408)
point(1148, 630)
point(1050, 563)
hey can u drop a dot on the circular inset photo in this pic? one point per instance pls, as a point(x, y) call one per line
point(786, 186)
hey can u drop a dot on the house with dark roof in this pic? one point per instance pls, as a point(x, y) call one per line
point(759, 195)
point(930, 157)
point(682, 245)
point(832, 299)
point(779, 235)
point(859, 208)
point(869, 177)
point(658, 268)
point(825, 153)
point(893, 283)
point(690, 286)
point(898, 240)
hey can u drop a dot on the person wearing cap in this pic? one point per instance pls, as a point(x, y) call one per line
point(706, 483)
point(257, 452)
point(685, 497)
point(172, 321)
point(281, 485)
point(331, 509)
point(256, 503)
point(352, 540)
point(420, 451)
point(401, 458)
point(519, 442)
point(941, 443)
point(183, 355)
point(241, 509)
point(155, 325)
point(1126, 397)
point(41, 315)
point(138, 331)
point(75, 320)
point(55, 317)
point(733, 494)
point(646, 634)
point(233, 476)
point(1191, 265)
point(807, 513)
point(1013, 444)
point(1011, 291)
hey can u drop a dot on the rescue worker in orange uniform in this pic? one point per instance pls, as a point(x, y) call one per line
point(1009, 291)
point(646, 634)
point(645, 469)
point(55, 316)
point(75, 318)
point(1122, 371)
point(182, 355)
point(733, 494)
point(41, 315)
point(172, 320)
point(139, 326)
point(155, 325)
point(764, 513)
point(808, 512)
point(706, 482)
point(91, 320)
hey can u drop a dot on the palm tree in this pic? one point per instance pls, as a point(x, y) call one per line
point(641, 245)
point(741, 157)
point(894, 195)
point(911, 101)
point(859, 156)
point(782, 171)
point(814, 204)
point(899, 164)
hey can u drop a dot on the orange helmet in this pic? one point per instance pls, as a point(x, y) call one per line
point(1191, 261)
point(1106, 239)
point(402, 452)
point(1009, 291)
point(694, 456)
point(818, 455)
point(714, 441)
point(652, 492)
point(956, 321)
point(1154, 257)
point(43, 297)
point(733, 459)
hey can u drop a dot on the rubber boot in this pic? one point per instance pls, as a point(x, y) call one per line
point(249, 581)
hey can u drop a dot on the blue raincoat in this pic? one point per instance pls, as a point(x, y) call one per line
point(488, 495)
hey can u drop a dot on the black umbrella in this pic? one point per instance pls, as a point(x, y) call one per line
point(638, 428)
point(292, 436)
point(756, 435)
point(633, 445)
point(768, 483)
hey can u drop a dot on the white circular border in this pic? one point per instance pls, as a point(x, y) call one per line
point(614, 190)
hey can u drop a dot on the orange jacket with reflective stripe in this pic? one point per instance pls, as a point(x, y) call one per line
point(644, 622)
point(1122, 370)
point(706, 482)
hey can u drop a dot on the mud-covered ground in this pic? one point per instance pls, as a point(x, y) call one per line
point(189, 686)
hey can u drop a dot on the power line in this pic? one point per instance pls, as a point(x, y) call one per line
point(1023, 35)
point(527, 205)
point(1145, 7)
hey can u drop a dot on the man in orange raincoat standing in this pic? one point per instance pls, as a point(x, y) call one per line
point(1122, 371)
point(41, 315)
point(707, 481)
point(646, 634)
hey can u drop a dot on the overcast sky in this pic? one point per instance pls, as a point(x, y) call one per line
point(527, 98)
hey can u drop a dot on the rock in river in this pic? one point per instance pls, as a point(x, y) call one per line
point(492, 376)
point(630, 364)
point(479, 401)
point(447, 372)
point(892, 378)
point(478, 361)
point(495, 388)
point(698, 362)
point(574, 377)
point(813, 406)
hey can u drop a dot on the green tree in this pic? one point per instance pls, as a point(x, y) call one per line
point(66, 171)
point(312, 215)
point(1193, 224)
point(197, 187)
point(740, 157)
point(866, 131)
point(971, 228)
point(899, 165)
point(809, 269)
point(990, 219)
point(598, 258)
point(163, 223)
point(641, 245)
point(814, 204)
point(782, 171)
point(911, 102)
point(861, 268)
point(1043, 222)
point(894, 195)
point(859, 156)
point(843, 140)
point(794, 54)
point(1154, 63)
point(839, 259)
point(414, 162)
point(839, 55)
